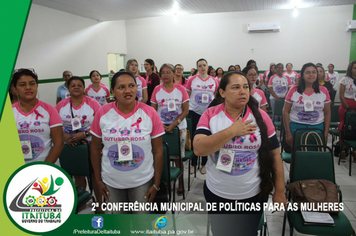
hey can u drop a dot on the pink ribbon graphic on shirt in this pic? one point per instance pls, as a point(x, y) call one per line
point(300, 101)
point(84, 118)
point(137, 124)
point(161, 102)
point(38, 114)
point(350, 87)
point(253, 138)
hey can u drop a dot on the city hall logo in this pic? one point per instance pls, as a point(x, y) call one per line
point(39, 197)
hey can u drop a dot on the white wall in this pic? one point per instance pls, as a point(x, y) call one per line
point(317, 35)
point(55, 41)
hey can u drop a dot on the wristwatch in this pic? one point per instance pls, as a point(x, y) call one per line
point(86, 133)
point(179, 121)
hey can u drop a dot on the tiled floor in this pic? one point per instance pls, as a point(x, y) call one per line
point(198, 220)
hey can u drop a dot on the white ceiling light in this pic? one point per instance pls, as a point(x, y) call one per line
point(295, 12)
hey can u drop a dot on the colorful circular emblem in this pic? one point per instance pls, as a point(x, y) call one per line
point(225, 159)
point(39, 197)
point(125, 150)
point(25, 149)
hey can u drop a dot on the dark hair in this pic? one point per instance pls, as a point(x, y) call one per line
point(228, 69)
point(195, 72)
point(331, 65)
point(20, 72)
point(151, 62)
point(201, 59)
point(289, 64)
point(270, 74)
point(247, 68)
point(266, 161)
point(183, 78)
point(75, 78)
point(91, 72)
point(117, 75)
point(301, 85)
point(210, 69)
point(349, 70)
point(250, 62)
point(218, 69)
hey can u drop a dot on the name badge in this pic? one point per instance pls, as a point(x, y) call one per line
point(67, 95)
point(225, 160)
point(26, 149)
point(171, 105)
point(125, 150)
point(284, 83)
point(308, 105)
point(76, 124)
point(205, 98)
point(332, 81)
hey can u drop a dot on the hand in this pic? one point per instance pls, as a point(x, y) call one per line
point(326, 137)
point(78, 136)
point(289, 139)
point(68, 139)
point(102, 190)
point(169, 129)
point(280, 198)
point(242, 128)
point(151, 194)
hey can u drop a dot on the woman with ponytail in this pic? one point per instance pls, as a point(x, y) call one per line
point(244, 162)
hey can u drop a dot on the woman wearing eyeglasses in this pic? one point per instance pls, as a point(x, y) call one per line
point(252, 74)
point(178, 75)
point(38, 123)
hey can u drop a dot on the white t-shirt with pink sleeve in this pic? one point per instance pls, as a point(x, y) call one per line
point(265, 75)
point(99, 95)
point(161, 97)
point(243, 181)
point(297, 113)
point(350, 87)
point(111, 125)
point(259, 95)
point(141, 85)
point(85, 112)
point(292, 75)
point(36, 126)
point(333, 77)
point(280, 85)
point(199, 88)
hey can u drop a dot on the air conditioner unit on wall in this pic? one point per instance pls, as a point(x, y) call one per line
point(263, 27)
point(351, 25)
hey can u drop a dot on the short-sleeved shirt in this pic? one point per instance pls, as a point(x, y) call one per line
point(62, 92)
point(297, 113)
point(259, 95)
point(99, 95)
point(280, 85)
point(243, 181)
point(350, 87)
point(161, 97)
point(265, 75)
point(141, 85)
point(36, 126)
point(333, 76)
point(111, 125)
point(85, 112)
point(292, 76)
point(198, 87)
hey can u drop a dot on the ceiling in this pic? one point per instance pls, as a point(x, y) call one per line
point(109, 10)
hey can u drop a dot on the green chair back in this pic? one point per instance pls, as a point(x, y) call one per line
point(311, 140)
point(350, 122)
point(173, 141)
point(278, 107)
point(189, 125)
point(165, 176)
point(335, 113)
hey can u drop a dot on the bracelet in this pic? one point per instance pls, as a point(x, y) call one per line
point(156, 187)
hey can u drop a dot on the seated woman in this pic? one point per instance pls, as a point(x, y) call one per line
point(77, 113)
point(307, 104)
point(131, 165)
point(172, 114)
point(244, 162)
point(38, 123)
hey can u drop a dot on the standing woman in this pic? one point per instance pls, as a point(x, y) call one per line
point(333, 75)
point(178, 75)
point(278, 86)
point(219, 73)
point(231, 68)
point(132, 66)
point(131, 165)
point(38, 123)
point(251, 74)
point(77, 113)
point(201, 90)
point(171, 101)
point(347, 98)
point(212, 72)
point(237, 67)
point(326, 84)
point(97, 90)
point(152, 78)
point(307, 105)
point(244, 158)
point(291, 73)
point(271, 72)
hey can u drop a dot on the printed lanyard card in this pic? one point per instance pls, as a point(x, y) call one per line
point(284, 83)
point(26, 149)
point(76, 124)
point(205, 98)
point(225, 160)
point(171, 105)
point(308, 105)
point(125, 150)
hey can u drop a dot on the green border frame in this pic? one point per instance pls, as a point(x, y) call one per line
point(353, 39)
point(20, 169)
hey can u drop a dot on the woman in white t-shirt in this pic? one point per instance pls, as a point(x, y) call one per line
point(131, 163)
point(291, 73)
point(98, 90)
point(244, 162)
point(252, 74)
point(132, 67)
point(347, 97)
point(171, 101)
point(219, 73)
point(307, 105)
point(333, 75)
point(201, 90)
point(38, 123)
